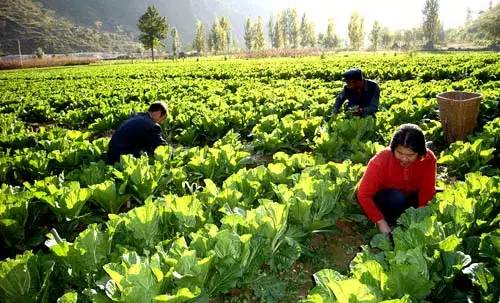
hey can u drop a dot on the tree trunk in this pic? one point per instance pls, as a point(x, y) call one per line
point(152, 49)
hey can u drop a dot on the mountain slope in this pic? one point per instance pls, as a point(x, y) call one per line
point(181, 14)
point(36, 26)
point(60, 26)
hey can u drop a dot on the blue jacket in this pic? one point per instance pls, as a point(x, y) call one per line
point(368, 100)
point(137, 134)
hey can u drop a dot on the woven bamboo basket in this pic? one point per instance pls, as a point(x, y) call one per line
point(458, 112)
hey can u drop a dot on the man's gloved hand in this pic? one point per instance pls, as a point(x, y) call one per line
point(358, 111)
point(351, 110)
point(330, 116)
point(355, 111)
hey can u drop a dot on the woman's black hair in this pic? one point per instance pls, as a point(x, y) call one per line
point(409, 136)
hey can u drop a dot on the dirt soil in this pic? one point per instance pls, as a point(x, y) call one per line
point(326, 250)
point(340, 248)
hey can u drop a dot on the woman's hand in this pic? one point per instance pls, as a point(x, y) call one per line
point(384, 227)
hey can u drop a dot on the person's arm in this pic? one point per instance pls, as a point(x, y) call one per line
point(372, 106)
point(370, 184)
point(428, 183)
point(338, 102)
point(155, 138)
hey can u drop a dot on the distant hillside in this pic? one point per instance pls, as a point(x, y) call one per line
point(36, 26)
point(183, 14)
point(61, 26)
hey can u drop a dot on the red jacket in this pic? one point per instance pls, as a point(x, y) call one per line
point(385, 172)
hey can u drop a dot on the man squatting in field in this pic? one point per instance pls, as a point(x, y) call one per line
point(401, 176)
point(140, 133)
point(362, 95)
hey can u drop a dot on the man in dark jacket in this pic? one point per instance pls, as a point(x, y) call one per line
point(140, 133)
point(362, 94)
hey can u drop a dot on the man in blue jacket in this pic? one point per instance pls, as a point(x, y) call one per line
point(362, 94)
point(140, 133)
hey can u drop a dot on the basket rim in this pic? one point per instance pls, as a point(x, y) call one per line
point(472, 95)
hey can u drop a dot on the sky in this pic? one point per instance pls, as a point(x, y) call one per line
point(395, 14)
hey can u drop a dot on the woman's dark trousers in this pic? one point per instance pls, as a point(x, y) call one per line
point(392, 203)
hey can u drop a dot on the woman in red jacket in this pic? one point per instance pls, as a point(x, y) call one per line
point(401, 176)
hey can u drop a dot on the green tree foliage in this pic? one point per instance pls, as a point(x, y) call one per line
point(258, 34)
point(153, 27)
point(176, 42)
point(331, 39)
point(385, 38)
point(488, 24)
point(220, 35)
point(287, 31)
point(254, 34)
point(321, 40)
point(431, 23)
point(212, 36)
point(276, 31)
point(249, 34)
point(216, 38)
point(292, 27)
point(397, 39)
point(441, 37)
point(482, 31)
point(375, 35)
point(409, 38)
point(307, 33)
point(39, 53)
point(226, 28)
point(283, 27)
point(312, 35)
point(356, 31)
point(199, 43)
point(304, 28)
point(270, 31)
point(279, 32)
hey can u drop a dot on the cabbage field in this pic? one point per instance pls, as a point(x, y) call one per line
point(253, 198)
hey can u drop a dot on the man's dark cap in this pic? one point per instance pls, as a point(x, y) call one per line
point(353, 74)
